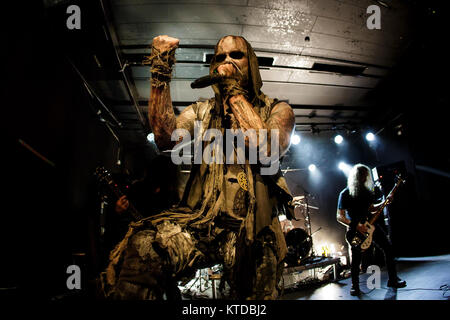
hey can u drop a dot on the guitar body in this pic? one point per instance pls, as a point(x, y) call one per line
point(369, 236)
point(359, 240)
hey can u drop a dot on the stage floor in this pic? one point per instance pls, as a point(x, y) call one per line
point(424, 277)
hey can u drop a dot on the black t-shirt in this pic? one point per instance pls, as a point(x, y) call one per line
point(357, 207)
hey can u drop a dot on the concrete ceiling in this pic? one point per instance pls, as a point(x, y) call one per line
point(298, 35)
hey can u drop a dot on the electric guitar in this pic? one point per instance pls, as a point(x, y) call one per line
point(105, 177)
point(364, 240)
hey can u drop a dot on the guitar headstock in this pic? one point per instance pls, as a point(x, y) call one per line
point(400, 179)
point(103, 175)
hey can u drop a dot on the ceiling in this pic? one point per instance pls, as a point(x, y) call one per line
point(317, 55)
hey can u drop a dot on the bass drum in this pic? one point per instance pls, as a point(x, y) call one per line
point(299, 246)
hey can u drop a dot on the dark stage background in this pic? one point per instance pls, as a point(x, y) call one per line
point(49, 212)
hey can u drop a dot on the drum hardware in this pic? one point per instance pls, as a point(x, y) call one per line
point(103, 204)
point(299, 245)
point(203, 280)
point(299, 241)
point(307, 218)
point(309, 206)
point(198, 284)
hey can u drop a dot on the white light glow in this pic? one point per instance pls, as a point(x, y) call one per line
point(338, 139)
point(312, 167)
point(332, 248)
point(295, 139)
point(370, 136)
point(151, 137)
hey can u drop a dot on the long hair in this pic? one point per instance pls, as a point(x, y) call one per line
point(360, 179)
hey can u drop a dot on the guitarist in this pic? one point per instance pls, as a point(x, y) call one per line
point(355, 204)
point(155, 191)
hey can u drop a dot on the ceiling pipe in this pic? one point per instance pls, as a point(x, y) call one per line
point(94, 95)
point(269, 51)
point(107, 123)
point(122, 66)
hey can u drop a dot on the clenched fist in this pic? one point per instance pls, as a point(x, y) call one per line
point(165, 43)
point(227, 70)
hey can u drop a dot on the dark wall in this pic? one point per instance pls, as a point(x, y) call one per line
point(47, 212)
point(417, 91)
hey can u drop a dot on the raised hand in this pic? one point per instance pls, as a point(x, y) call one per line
point(227, 70)
point(165, 43)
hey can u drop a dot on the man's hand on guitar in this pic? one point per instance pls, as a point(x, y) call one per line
point(361, 228)
point(122, 204)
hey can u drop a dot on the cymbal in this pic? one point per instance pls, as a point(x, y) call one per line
point(305, 205)
point(298, 199)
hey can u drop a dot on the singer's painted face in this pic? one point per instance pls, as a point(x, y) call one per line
point(233, 50)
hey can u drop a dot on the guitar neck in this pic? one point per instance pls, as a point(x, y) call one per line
point(136, 215)
point(381, 208)
point(118, 193)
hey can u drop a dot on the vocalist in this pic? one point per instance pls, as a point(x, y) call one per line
point(228, 214)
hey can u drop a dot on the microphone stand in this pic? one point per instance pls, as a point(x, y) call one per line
point(308, 222)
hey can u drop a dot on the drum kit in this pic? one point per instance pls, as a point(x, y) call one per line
point(299, 240)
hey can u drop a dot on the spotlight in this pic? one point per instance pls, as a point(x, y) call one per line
point(338, 139)
point(151, 137)
point(295, 139)
point(342, 166)
point(370, 136)
point(312, 167)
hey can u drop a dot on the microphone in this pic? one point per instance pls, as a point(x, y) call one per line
point(206, 81)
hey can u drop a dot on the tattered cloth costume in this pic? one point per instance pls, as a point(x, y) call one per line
point(216, 222)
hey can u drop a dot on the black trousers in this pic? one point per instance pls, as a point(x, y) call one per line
point(381, 240)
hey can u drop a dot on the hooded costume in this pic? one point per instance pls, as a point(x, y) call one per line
point(244, 232)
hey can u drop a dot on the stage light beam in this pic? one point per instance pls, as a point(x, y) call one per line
point(312, 167)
